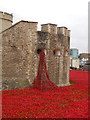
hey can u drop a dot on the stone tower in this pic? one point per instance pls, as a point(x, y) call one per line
point(6, 20)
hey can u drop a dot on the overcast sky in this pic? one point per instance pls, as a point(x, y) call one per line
point(70, 13)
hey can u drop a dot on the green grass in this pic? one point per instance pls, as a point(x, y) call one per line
point(72, 82)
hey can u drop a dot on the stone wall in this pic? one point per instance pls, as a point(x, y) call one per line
point(53, 39)
point(20, 57)
point(17, 55)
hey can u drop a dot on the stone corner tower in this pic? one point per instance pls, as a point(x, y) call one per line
point(6, 20)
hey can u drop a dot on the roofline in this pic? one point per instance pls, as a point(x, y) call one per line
point(62, 27)
point(28, 21)
point(73, 48)
point(48, 24)
point(6, 13)
point(16, 24)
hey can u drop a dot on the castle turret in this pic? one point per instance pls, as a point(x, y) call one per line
point(6, 20)
point(69, 33)
point(62, 30)
point(50, 28)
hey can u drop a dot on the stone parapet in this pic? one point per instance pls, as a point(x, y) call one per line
point(6, 16)
point(62, 30)
point(5, 21)
point(50, 28)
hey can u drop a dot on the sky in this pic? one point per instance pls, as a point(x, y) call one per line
point(72, 14)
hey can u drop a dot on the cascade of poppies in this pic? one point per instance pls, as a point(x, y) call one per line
point(42, 81)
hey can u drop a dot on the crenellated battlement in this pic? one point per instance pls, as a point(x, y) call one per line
point(50, 28)
point(21, 46)
point(6, 16)
point(6, 21)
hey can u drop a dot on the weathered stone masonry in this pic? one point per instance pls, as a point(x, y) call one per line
point(21, 45)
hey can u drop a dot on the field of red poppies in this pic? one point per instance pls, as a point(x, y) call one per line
point(66, 102)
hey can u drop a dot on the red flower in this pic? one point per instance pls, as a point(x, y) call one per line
point(66, 102)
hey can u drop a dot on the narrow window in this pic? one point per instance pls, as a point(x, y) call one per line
point(22, 47)
point(56, 52)
point(39, 50)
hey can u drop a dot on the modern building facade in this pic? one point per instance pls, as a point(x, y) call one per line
point(74, 52)
point(74, 60)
